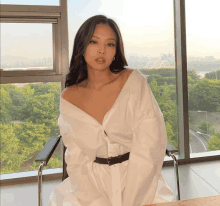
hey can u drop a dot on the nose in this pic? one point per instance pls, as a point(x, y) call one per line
point(102, 49)
point(101, 52)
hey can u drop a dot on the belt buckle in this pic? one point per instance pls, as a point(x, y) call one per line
point(113, 158)
point(108, 160)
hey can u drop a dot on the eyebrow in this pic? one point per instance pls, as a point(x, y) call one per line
point(108, 38)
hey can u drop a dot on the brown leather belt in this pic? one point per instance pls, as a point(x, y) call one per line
point(113, 160)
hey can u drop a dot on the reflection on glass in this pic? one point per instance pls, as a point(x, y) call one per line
point(29, 114)
point(203, 61)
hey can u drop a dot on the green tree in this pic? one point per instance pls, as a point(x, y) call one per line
point(206, 127)
point(27, 90)
point(190, 80)
point(168, 108)
point(18, 103)
point(205, 96)
point(172, 92)
point(9, 148)
point(168, 75)
point(214, 143)
point(53, 101)
point(5, 106)
point(155, 89)
point(32, 136)
point(194, 75)
point(170, 135)
point(18, 99)
point(39, 109)
point(38, 112)
point(213, 75)
point(19, 142)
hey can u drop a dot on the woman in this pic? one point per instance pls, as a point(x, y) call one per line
point(109, 111)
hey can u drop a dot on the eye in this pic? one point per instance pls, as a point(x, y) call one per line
point(112, 45)
point(93, 41)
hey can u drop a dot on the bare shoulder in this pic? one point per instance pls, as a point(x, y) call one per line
point(69, 92)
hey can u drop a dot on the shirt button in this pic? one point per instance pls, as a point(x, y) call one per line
point(116, 191)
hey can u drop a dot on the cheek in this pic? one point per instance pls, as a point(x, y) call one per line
point(111, 52)
point(91, 51)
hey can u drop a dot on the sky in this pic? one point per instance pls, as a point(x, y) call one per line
point(147, 27)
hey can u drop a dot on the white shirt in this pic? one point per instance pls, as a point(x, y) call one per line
point(134, 124)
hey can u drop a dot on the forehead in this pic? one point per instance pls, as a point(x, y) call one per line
point(104, 30)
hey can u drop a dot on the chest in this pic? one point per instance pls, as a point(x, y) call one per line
point(97, 104)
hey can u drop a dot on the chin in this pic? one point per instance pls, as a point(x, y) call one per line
point(100, 66)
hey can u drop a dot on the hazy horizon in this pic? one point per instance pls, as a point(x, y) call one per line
point(146, 32)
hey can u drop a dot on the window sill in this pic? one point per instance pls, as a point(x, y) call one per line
point(205, 154)
point(30, 176)
point(194, 157)
point(56, 173)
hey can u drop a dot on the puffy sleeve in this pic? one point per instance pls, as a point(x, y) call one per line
point(147, 150)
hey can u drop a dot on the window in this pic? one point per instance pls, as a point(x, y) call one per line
point(32, 37)
point(36, 44)
point(26, 46)
point(148, 37)
point(203, 61)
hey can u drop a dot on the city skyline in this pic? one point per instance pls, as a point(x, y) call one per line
point(49, 61)
point(144, 33)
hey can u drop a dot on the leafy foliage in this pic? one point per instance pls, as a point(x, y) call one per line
point(214, 143)
point(205, 95)
point(5, 106)
point(213, 75)
point(168, 108)
point(206, 127)
point(168, 75)
point(28, 119)
point(29, 115)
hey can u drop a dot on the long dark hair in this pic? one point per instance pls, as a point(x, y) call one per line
point(78, 67)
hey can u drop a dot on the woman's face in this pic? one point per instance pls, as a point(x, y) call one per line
point(102, 45)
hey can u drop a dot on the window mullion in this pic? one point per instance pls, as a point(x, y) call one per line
point(181, 76)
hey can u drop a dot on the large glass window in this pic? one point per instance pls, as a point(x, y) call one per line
point(28, 118)
point(26, 46)
point(148, 35)
point(203, 62)
point(31, 78)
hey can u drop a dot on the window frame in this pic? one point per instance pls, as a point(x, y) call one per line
point(40, 14)
point(184, 156)
point(57, 15)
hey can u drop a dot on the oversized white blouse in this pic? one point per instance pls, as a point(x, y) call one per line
point(134, 124)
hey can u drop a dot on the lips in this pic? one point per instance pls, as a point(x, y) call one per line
point(101, 59)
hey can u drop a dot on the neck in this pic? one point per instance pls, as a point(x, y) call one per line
point(97, 79)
